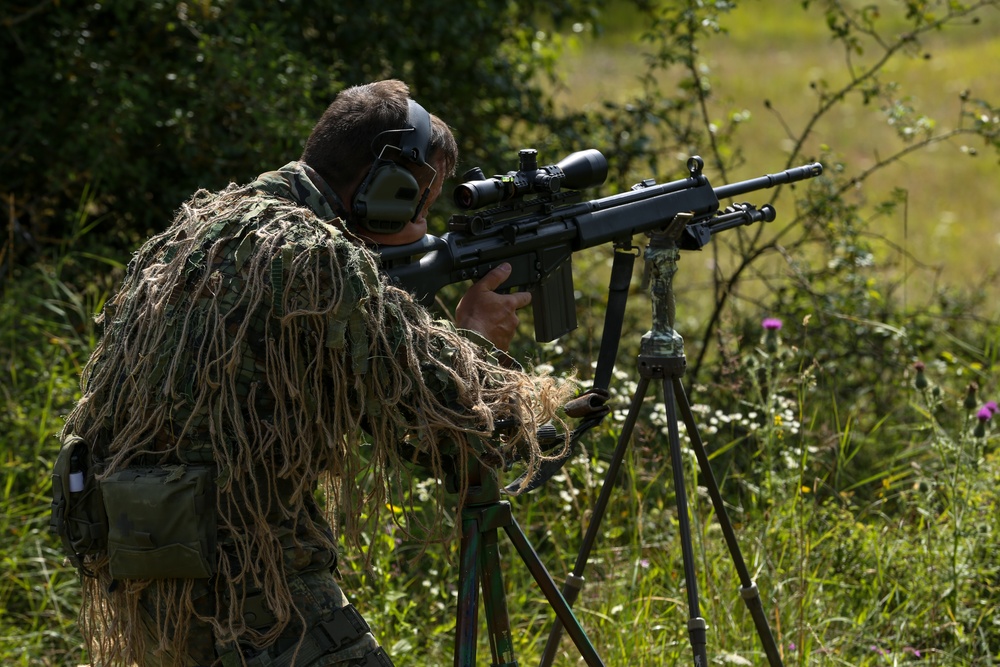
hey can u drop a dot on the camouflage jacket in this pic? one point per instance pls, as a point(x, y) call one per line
point(258, 337)
point(246, 335)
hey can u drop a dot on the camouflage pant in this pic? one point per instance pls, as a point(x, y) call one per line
point(319, 599)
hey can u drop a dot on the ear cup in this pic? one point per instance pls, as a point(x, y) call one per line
point(390, 199)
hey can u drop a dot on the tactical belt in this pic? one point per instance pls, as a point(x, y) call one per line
point(344, 627)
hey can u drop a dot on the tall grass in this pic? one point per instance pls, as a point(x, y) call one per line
point(859, 561)
point(38, 595)
point(892, 564)
point(896, 568)
point(46, 334)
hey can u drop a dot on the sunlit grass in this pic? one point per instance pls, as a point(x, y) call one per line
point(774, 51)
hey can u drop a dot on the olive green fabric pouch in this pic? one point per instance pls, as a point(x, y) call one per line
point(78, 516)
point(161, 522)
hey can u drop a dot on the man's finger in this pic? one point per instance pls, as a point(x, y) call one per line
point(494, 278)
point(520, 299)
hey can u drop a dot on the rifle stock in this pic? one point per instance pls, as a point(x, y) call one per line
point(538, 236)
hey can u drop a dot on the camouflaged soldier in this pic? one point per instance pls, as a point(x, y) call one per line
point(255, 353)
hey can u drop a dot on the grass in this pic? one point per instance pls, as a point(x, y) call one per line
point(857, 564)
point(38, 595)
point(846, 578)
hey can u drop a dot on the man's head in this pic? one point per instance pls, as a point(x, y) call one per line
point(354, 133)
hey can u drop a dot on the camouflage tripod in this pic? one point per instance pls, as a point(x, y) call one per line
point(482, 517)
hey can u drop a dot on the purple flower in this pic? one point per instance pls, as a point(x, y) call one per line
point(914, 651)
point(992, 407)
point(771, 337)
point(983, 416)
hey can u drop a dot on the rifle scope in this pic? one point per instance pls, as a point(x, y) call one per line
point(577, 171)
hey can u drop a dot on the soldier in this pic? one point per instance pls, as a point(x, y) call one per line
point(255, 354)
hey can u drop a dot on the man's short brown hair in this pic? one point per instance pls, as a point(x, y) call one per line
point(358, 124)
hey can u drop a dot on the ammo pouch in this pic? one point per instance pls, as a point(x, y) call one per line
point(161, 522)
point(78, 515)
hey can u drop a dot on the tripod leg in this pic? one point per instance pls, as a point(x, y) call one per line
point(467, 620)
point(749, 592)
point(495, 603)
point(480, 559)
point(696, 624)
point(574, 582)
point(552, 594)
point(480, 564)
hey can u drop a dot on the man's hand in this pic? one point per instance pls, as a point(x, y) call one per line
point(491, 314)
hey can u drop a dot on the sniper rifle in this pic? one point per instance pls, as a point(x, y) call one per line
point(537, 220)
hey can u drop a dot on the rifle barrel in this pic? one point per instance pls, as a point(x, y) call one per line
point(770, 180)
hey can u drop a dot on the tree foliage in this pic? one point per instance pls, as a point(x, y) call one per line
point(147, 101)
point(137, 104)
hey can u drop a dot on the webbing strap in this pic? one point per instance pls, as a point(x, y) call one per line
point(378, 658)
point(614, 318)
point(344, 627)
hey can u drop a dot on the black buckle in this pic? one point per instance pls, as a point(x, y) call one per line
point(345, 626)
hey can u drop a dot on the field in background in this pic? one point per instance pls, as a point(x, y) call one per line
point(774, 51)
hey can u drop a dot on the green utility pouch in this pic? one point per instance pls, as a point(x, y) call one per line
point(161, 522)
point(78, 515)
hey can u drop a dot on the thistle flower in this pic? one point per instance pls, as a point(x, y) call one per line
point(984, 415)
point(920, 382)
point(992, 407)
point(771, 327)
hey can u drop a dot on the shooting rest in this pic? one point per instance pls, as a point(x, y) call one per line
point(661, 358)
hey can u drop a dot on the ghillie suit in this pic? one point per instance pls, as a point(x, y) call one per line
point(257, 339)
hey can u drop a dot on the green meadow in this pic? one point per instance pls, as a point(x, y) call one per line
point(777, 51)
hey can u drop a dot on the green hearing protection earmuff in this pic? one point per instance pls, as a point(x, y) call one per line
point(390, 197)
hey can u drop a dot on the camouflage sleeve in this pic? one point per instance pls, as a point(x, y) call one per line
point(404, 376)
